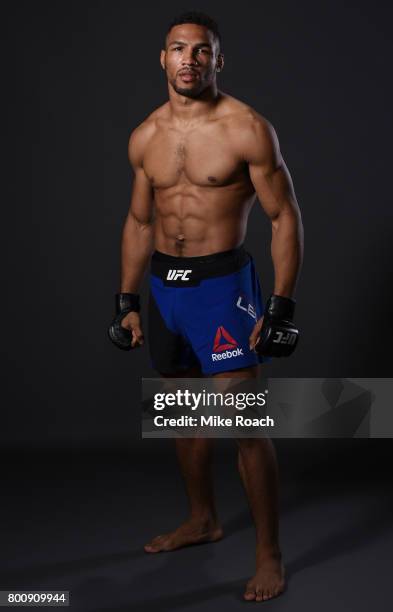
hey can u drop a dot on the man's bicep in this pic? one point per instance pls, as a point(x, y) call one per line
point(142, 198)
point(268, 171)
point(141, 205)
point(274, 187)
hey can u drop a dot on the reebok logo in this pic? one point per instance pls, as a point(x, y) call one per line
point(175, 274)
point(227, 354)
point(225, 346)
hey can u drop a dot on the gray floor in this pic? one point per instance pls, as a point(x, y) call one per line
point(78, 522)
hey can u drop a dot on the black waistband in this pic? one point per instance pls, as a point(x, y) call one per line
point(189, 271)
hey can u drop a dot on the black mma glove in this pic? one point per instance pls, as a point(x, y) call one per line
point(279, 336)
point(125, 303)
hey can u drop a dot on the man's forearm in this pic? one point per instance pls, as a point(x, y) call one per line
point(136, 248)
point(287, 252)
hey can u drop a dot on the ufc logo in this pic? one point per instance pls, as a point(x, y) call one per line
point(282, 338)
point(175, 274)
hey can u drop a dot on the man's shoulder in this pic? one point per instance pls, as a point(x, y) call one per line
point(149, 124)
point(143, 133)
point(239, 115)
point(248, 128)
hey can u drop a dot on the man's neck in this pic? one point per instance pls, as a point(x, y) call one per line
point(185, 109)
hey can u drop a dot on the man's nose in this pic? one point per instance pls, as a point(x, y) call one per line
point(188, 57)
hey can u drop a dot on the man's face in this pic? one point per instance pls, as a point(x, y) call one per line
point(191, 59)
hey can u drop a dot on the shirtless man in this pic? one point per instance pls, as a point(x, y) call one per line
point(200, 161)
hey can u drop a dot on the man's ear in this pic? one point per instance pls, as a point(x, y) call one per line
point(220, 62)
point(162, 58)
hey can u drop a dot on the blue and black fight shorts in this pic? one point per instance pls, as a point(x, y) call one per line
point(202, 311)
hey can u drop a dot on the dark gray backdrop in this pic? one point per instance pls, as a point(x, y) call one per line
point(82, 76)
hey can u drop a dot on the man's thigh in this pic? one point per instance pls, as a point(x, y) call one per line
point(194, 372)
point(250, 372)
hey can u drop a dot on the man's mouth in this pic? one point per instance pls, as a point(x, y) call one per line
point(188, 75)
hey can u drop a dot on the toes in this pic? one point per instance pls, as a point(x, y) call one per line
point(259, 596)
point(155, 545)
point(249, 595)
point(150, 548)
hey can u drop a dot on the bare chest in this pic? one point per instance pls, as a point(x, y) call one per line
point(201, 157)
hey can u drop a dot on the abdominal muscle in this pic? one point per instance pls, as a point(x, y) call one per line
point(200, 222)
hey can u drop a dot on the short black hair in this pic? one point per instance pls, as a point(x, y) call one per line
point(199, 19)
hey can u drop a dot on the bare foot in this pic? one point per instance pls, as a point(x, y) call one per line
point(269, 580)
point(190, 532)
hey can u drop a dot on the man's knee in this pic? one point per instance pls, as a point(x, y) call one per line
point(252, 444)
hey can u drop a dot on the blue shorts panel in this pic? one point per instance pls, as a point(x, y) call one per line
point(209, 324)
